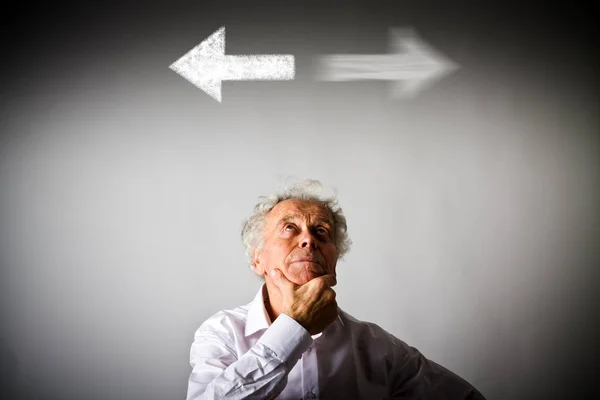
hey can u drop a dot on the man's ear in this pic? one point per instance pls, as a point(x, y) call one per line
point(257, 264)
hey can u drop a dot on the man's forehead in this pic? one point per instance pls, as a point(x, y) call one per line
point(295, 208)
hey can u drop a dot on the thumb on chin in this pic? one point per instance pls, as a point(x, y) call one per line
point(279, 278)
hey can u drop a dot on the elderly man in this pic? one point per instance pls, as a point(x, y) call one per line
point(293, 341)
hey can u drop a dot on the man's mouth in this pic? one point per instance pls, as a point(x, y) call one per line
point(307, 260)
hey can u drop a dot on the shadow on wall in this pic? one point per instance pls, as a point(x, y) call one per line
point(12, 382)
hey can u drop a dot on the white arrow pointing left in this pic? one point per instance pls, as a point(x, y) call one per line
point(206, 65)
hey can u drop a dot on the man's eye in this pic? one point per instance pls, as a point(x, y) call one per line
point(290, 226)
point(322, 231)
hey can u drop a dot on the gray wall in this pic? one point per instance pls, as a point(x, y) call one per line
point(122, 189)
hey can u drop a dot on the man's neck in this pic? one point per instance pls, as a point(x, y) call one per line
point(271, 304)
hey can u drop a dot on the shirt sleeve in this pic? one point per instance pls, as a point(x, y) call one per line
point(416, 377)
point(261, 373)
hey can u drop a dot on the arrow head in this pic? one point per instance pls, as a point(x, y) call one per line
point(430, 65)
point(203, 64)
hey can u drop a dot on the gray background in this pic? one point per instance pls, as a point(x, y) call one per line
point(123, 187)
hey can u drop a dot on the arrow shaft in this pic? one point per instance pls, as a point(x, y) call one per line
point(257, 67)
point(348, 67)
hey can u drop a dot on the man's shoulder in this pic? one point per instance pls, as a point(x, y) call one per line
point(226, 321)
point(366, 331)
point(362, 326)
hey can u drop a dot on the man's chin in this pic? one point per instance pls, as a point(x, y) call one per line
point(306, 276)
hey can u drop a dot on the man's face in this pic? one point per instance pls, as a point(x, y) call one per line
point(299, 240)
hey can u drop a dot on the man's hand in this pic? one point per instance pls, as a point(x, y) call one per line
point(312, 305)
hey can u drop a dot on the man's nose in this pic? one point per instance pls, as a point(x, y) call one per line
point(308, 241)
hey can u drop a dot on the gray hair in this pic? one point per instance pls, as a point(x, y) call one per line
point(253, 228)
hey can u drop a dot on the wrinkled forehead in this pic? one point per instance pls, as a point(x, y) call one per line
point(307, 210)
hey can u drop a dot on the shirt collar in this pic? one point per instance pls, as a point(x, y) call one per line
point(258, 318)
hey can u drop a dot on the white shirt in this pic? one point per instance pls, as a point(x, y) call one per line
point(240, 354)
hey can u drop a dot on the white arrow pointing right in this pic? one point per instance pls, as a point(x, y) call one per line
point(412, 65)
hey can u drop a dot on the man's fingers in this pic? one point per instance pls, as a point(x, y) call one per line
point(330, 280)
